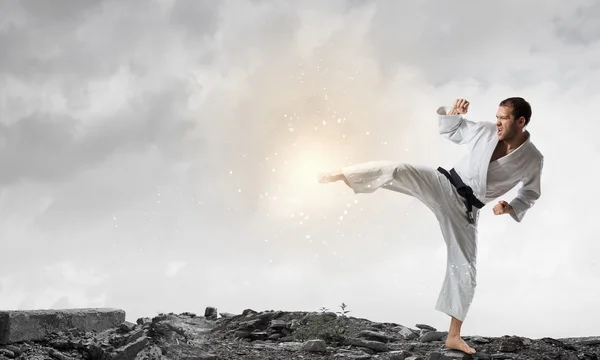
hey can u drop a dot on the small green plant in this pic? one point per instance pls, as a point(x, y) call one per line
point(344, 311)
point(324, 327)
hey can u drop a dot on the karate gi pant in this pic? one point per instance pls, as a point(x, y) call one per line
point(435, 191)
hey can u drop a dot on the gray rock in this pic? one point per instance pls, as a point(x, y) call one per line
point(395, 355)
point(242, 334)
point(373, 345)
point(58, 355)
point(425, 327)
point(278, 324)
point(34, 325)
point(500, 356)
point(449, 355)
point(480, 340)
point(406, 333)
point(7, 353)
point(127, 326)
point(291, 346)
point(352, 356)
point(15, 349)
point(453, 354)
point(376, 336)
point(143, 321)
point(210, 313)
point(295, 324)
point(589, 341)
point(226, 315)
point(206, 356)
point(130, 351)
point(315, 346)
point(433, 336)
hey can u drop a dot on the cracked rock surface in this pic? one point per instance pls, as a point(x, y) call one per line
point(283, 335)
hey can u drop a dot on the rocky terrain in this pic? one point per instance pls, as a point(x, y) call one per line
point(281, 335)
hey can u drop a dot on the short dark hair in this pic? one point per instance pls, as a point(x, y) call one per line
point(519, 107)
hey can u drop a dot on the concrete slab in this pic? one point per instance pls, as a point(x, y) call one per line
point(23, 325)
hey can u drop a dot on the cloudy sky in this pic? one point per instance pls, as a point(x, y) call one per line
point(160, 156)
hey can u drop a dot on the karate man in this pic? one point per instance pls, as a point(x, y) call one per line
point(501, 155)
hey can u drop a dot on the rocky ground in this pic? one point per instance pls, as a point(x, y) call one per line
point(283, 335)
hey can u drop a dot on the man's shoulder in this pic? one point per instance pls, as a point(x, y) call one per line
point(535, 154)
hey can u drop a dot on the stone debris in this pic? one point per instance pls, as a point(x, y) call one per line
point(269, 334)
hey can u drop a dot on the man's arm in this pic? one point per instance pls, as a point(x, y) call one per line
point(528, 194)
point(453, 126)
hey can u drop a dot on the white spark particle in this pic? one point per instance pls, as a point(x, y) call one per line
point(239, 190)
point(367, 133)
point(230, 172)
point(291, 129)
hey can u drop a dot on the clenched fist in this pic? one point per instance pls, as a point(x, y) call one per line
point(502, 207)
point(460, 106)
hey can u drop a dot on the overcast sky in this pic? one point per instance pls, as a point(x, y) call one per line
point(161, 156)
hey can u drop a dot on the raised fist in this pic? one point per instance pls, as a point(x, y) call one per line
point(460, 106)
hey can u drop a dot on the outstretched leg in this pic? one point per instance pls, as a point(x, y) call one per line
point(420, 182)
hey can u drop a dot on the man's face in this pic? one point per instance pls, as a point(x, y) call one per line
point(506, 123)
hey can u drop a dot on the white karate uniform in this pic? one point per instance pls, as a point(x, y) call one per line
point(488, 181)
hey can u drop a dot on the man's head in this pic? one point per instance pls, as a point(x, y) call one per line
point(512, 116)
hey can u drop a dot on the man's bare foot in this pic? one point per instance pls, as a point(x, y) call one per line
point(330, 177)
point(456, 343)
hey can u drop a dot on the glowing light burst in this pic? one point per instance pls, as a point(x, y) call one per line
point(296, 180)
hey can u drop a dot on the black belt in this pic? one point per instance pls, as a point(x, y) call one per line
point(465, 191)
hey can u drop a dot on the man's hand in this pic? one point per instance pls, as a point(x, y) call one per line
point(502, 208)
point(460, 106)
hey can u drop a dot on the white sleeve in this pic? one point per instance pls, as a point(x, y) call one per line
point(528, 194)
point(456, 128)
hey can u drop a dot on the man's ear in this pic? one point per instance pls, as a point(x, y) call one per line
point(521, 121)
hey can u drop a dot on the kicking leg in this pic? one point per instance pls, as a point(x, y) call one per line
point(420, 182)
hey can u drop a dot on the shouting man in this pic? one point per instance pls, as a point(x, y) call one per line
point(501, 155)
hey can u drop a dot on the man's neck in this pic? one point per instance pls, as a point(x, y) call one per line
point(514, 143)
